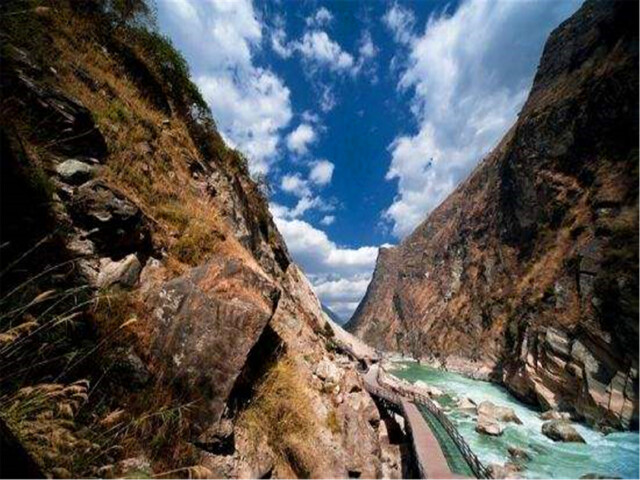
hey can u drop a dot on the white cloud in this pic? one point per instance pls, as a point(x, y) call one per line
point(328, 220)
point(400, 21)
point(367, 48)
point(467, 90)
point(298, 141)
point(320, 18)
point(251, 105)
point(327, 99)
point(339, 275)
point(316, 47)
point(295, 184)
point(321, 172)
point(279, 43)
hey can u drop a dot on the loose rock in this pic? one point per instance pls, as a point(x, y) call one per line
point(124, 272)
point(75, 172)
point(488, 426)
point(497, 413)
point(561, 431)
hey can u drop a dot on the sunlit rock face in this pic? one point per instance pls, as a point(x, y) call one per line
point(528, 272)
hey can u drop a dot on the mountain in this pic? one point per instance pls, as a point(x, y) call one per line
point(333, 315)
point(152, 319)
point(527, 273)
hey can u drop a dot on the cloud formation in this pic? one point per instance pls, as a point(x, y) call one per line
point(298, 141)
point(251, 105)
point(467, 89)
point(320, 18)
point(321, 172)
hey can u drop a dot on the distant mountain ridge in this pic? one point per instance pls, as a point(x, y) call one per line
point(333, 315)
point(528, 272)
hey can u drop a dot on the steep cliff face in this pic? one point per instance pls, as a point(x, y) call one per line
point(528, 272)
point(152, 318)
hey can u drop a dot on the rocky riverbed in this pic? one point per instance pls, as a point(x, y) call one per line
point(521, 449)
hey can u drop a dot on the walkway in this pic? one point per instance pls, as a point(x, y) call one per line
point(439, 449)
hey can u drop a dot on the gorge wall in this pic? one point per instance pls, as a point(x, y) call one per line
point(152, 319)
point(528, 272)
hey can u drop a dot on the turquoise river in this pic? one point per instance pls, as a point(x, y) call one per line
point(613, 455)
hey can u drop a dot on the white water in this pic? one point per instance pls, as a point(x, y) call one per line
point(613, 455)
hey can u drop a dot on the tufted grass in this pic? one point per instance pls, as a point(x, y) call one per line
point(281, 412)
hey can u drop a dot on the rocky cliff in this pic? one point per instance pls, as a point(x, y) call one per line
point(528, 272)
point(152, 321)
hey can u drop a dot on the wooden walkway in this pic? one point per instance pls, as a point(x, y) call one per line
point(430, 457)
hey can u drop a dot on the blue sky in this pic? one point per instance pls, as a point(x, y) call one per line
point(364, 116)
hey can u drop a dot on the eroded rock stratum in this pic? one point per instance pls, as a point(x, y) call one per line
point(528, 272)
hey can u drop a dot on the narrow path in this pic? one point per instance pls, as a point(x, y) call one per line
point(436, 452)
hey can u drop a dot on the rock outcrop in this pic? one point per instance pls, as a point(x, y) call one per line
point(527, 274)
point(158, 275)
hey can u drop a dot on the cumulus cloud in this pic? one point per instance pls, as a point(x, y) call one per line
point(367, 48)
point(298, 141)
point(339, 275)
point(320, 18)
point(467, 91)
point(321, 172)
point(328, 220)
point(295, 184)
point(250, 104)
point(316, 47)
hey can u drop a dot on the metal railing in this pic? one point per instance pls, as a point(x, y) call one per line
point(472, 459)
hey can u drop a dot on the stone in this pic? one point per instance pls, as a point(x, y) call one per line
point(518, 454)
point(598, 475)
point(328, 372)
point(498, 413)
point(128, 369)
point(467, 405)
point(204, 325)
point(67, 125)
point(558, 342)
point(114, 223)
point(488, 426)
point(507, 470)
point(561, 431)
point(75, 172)
point(428, 389)
point(555, 415)
point(134, 467)
point(124, 272)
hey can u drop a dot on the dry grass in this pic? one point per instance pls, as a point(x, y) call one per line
point(281, 412)
point(43, 418)
point(149, 156)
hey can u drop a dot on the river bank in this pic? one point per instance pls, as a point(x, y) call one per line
point(612, 455)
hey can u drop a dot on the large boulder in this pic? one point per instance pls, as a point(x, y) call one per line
point(561, 431)
point(498, 413)
point(114, 223)
point(488, 426)
point(467, 405)
point(205, 324)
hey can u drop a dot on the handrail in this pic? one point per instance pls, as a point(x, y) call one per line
point(472, 459)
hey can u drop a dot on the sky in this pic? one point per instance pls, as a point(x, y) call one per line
point(363, 116)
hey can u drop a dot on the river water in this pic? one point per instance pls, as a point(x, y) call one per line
point(613, 455)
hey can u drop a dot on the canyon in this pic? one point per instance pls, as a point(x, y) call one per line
point(527, 274)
